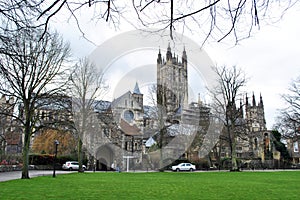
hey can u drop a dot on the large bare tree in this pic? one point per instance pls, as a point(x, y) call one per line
point(289, 119)
point(230, 81)
point(216, 19)
point(31, 71)
point(87, 86)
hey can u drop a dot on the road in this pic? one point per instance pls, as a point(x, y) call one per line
point(6, 176)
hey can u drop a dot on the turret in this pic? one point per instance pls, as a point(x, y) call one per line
point(241, 108)
point(169, 53)
point(184, 57)
point(253, 100)
point(159, 60)
point(137, 95)
point(261, 103)
point(199, 99)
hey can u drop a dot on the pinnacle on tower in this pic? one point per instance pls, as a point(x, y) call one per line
point(199, 99)
point(159, 60)
point(169, 53)
point(184, 52)
point(253, 100)
point(261, 101)
point(184, 57)
point(241, 108)
point(169, 48)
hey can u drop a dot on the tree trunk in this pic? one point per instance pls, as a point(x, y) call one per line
point(232, 144)
point(234, 166)
point(27, 136)
point(80, 156)
point(219, 155)
point(25, 168)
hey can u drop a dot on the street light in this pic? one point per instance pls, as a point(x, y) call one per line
point(56, 143)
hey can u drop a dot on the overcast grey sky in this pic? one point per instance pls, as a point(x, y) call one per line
point(270, 58)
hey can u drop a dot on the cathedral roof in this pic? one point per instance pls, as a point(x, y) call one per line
point(129, 129)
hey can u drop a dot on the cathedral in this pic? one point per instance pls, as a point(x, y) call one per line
point(254, 146)
point(128, 131)
point(172, 94)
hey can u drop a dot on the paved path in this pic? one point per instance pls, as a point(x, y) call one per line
point(6, 176)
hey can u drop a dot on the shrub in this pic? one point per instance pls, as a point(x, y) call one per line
point(41, 159)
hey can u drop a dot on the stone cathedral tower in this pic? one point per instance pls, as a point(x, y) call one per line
point(172, 83)
point(255, 115)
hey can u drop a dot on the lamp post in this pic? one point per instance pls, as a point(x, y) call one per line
point(56, 143)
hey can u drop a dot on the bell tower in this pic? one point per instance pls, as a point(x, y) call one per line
point(137, 95)
point(172, 82)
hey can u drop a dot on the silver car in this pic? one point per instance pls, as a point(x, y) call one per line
point(72, 165)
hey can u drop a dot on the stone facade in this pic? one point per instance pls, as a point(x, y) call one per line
point(10, 134)
point(293, 145)
point(120, 135)
point(254, 145)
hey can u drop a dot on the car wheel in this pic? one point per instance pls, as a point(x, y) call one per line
point(177, 170)
point(191, 169)
point(70, 169)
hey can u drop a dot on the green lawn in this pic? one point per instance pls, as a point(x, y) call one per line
point(212, 185)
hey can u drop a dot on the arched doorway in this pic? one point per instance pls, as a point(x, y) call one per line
point(105, 158)
point(102, 165)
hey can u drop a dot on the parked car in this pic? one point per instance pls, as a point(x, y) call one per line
point(184, 167)
point(72, 165)
point(295, 166)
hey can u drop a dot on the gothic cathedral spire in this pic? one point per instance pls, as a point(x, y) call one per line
point(159, 60)
point(169, 53)
point(184, 56)
point(261, 103)
point(253, 100)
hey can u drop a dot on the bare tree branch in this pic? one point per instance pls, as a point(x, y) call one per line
point(31, 71)
point(225, 94)
point(155, 14)
point(87, 85)
point(289, 119)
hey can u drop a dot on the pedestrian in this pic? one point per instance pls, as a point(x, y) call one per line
point(118, 168)
point(112, 166)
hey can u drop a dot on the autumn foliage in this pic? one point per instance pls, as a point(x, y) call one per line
point(44, 142)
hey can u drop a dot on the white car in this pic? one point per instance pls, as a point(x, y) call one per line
point(184, 167)
point(72, 165)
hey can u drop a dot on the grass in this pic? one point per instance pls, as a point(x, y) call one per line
point(213, 185)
